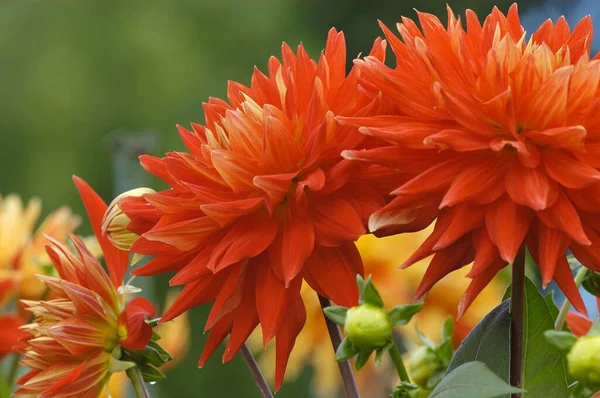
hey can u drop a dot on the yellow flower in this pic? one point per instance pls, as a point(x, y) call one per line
point(22, 253)
point(381, 257)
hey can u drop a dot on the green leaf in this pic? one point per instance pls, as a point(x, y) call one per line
point(488, 342)
point(561, 340)
point(472, 379)
point(336, 314)
point(402, 314)
point(545, 372)
point(424, 339)
point(345, 351)
point(552, 307)
point(381, 352)
point(448, 329)
point(591, 283)
point(362, 358)
point(405, 390)
point(150, 373)
point(368, 292)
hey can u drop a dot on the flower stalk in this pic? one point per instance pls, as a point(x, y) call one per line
point(517, 309)
point(137, 381)
point(566, 306)
point(398, 364)
point(336, 339)
point(259, 378)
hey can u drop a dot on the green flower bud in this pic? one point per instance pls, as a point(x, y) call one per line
point(423, 364)
point(584, 361)
point(368, 327)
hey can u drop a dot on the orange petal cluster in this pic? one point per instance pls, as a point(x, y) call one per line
point(263, 200)
point(76, 335)
point(500, 133)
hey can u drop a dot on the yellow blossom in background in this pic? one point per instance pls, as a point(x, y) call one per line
point(22, 253)
point(174, 338)
point(381, 257)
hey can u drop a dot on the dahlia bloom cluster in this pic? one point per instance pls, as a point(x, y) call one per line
point(484, 131)
point(77, 336)
point(487, 133)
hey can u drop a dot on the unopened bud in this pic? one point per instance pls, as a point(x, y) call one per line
point(423, 364)
point(584, 361)
point(114, 224)
point(368, 327)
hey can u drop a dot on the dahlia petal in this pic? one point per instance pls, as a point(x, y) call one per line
point(292, 246)
point(507, 224)
point(183, 235)
point(226, 212)
point(474, 181)
point(571, 137)
point(528, 153)
point(444, 262)
point(586, 199)
point(86, 302)
point(552, 244)
point(195, 267)
point(229, 296)
point(336, 221)
point(547, 104)
point(591, 153)
point(77, 335)
point(479, 282)
point(397, 217)
point(486, 252)
point(272, 300)
point(133, 319)
point(11, 334)
point(530, 187)
point(564, 217)
point(578, 324)
point(464, 218)
point(280, 151)
point(457, 140)
point(247, 238)
point(339, 264)
point(191, 141)
point(245, 320)
point(286, 337)
point(568, 171)
point(199, 291)
point(156, 167)
point(215, 337)
point(435, 178)
point(565, 281)
point(237, 170)
point(275, 187)
point(588, 255)
point(161, 264)
point(116, 260)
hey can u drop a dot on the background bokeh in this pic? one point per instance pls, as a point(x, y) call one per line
point(77, 76)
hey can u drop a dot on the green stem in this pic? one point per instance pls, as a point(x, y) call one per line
point(397, 359)
point(137, 381)
point(564, 309)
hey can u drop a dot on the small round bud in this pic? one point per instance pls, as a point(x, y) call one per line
point(114, 224)
point(584, 361)
point(368, 327)
point(422, 365)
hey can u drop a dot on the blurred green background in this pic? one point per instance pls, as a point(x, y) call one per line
point(76, 73)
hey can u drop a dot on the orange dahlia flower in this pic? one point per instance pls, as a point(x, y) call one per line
point(263, 200)
point(76, 338)
point(498, 133)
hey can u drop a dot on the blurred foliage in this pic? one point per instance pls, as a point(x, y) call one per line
point(73, 72)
